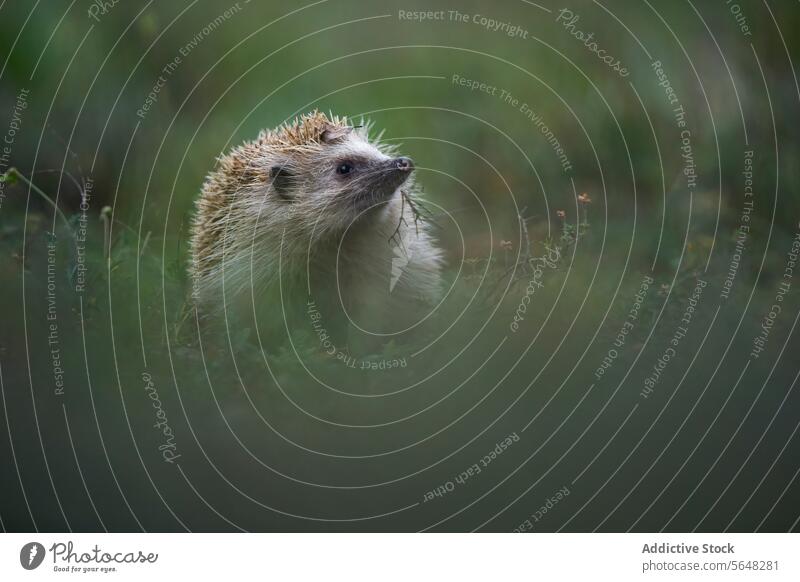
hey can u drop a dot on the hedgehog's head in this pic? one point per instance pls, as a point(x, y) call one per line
point(330, 168)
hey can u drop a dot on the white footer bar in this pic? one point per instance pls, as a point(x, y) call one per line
point(401, 557)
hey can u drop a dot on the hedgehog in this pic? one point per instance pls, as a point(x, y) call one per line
point(315, 210)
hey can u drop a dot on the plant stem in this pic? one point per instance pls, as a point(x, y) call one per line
point(36, 189)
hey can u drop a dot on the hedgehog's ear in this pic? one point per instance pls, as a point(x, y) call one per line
point(282, 179)
point(332, 132)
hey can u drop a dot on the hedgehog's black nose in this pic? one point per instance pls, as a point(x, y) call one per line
point(405, 164)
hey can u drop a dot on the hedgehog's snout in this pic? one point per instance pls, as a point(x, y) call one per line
point(404, 164)
point(395, 172)
point(382, 179)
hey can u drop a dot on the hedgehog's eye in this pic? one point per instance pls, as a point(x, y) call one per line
point(345, 168)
